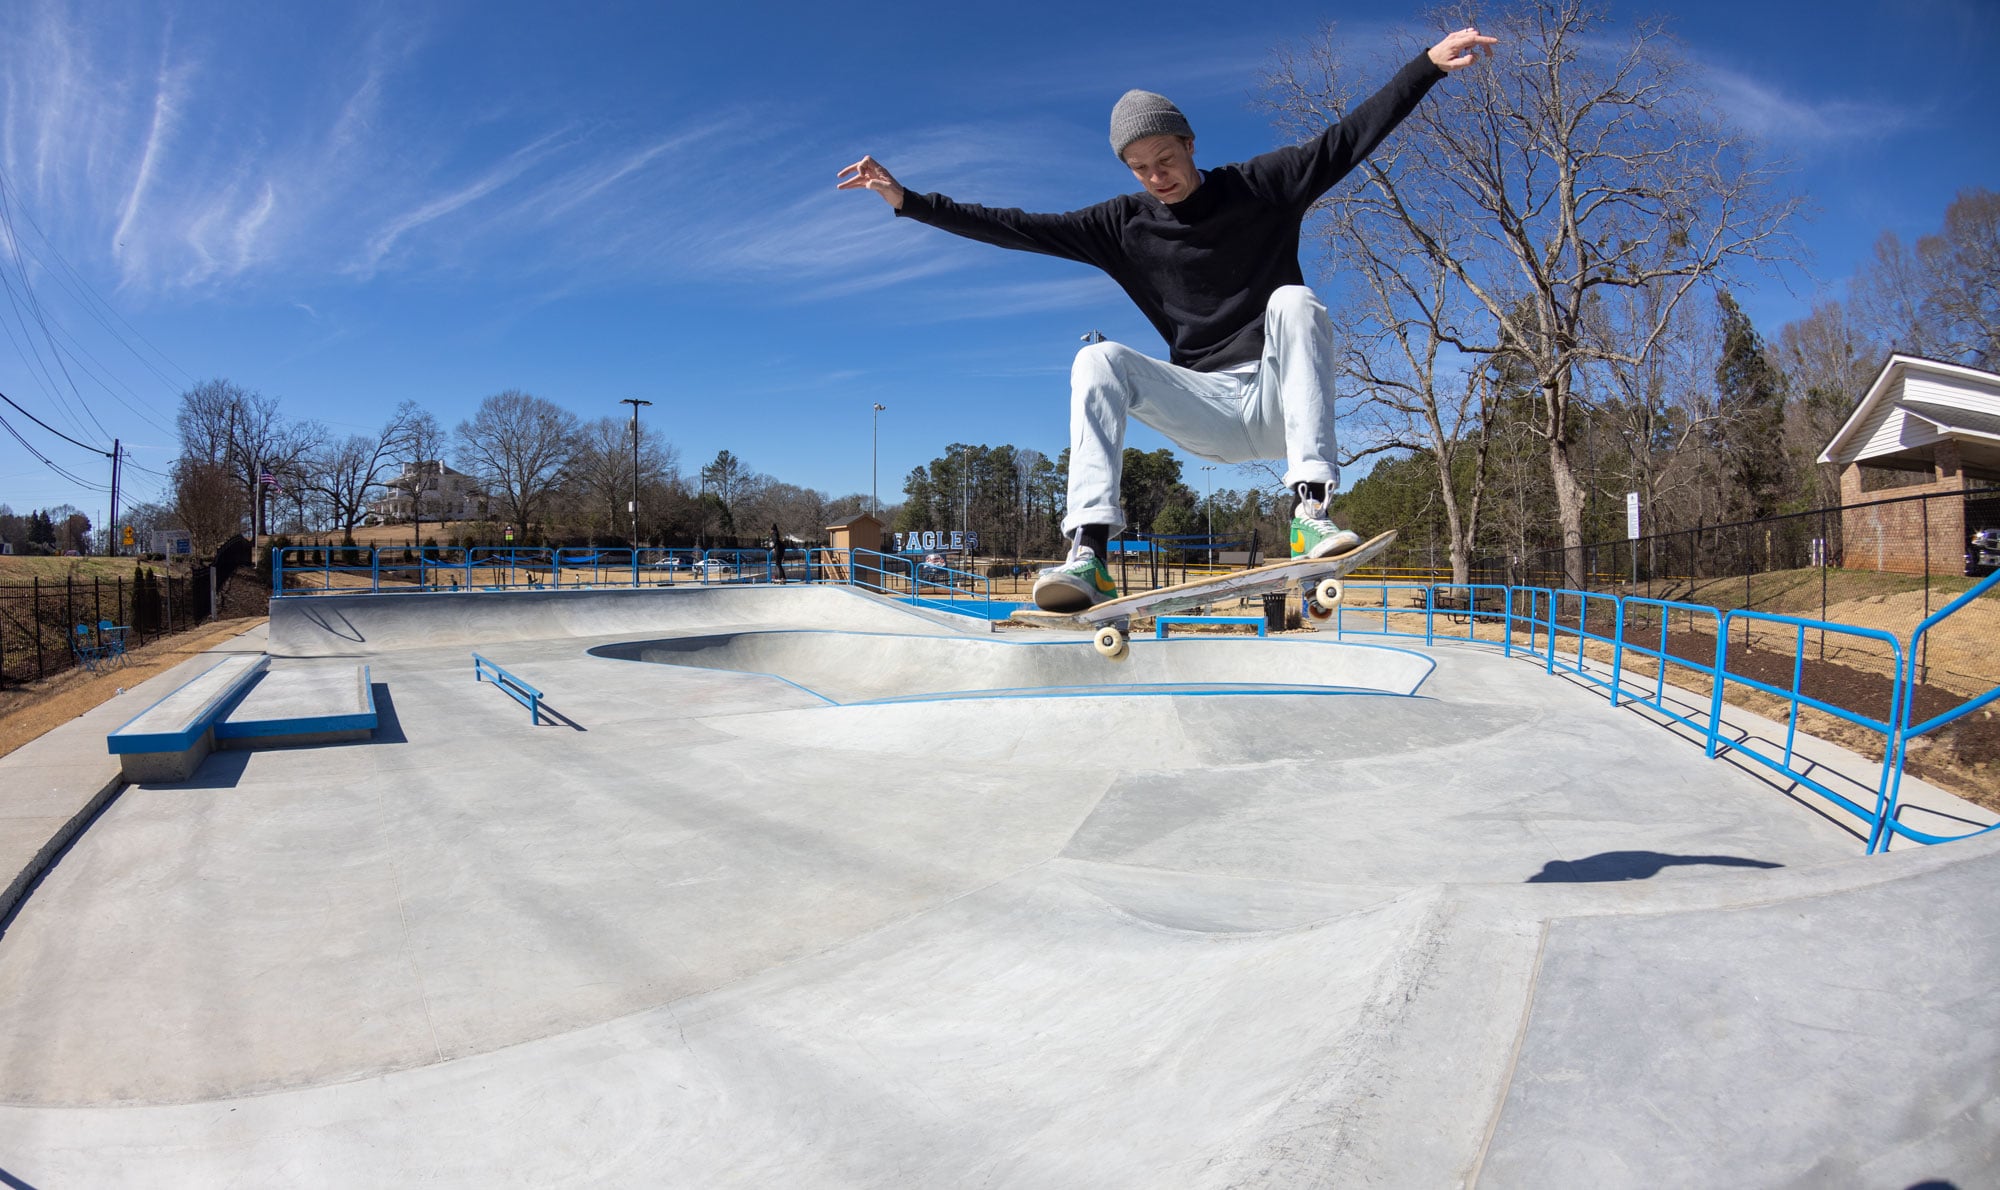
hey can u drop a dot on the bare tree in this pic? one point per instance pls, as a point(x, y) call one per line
point(601, 479)
point(1567, 168)
point(1942, 298)
point(420, 451)
point(518, 445)
point(1831, 363)
point(241, 431)
point(1663, 413)
point(1418, 394)
point(345, 474)
point(207, 502)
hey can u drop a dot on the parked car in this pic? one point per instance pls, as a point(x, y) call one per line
point(1985, 551)
point(672, 562)
point(716, 568)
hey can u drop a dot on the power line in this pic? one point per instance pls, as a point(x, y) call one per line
point(95, 305)
point(51, 429)
point(46, 460)
point(34, 306)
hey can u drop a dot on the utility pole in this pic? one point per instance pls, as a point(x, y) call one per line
point(634, 402)
point(111, 526)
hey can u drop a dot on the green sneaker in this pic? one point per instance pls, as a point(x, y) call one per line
point(1080, 583)
point(1313, 536)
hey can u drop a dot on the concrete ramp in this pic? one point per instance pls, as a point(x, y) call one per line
point(851, 667)
point(365, 625)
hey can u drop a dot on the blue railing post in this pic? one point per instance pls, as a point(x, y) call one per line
point(1618, 649)
point(374, 568)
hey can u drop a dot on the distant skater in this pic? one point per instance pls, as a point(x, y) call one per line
point(1210, 257)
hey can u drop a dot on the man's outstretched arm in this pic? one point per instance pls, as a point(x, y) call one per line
point(1077, 235)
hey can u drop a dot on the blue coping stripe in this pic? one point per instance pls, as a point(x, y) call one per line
point(121, 742)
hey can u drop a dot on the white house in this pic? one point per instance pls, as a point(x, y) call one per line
point(1924, 428)
point(447, 495)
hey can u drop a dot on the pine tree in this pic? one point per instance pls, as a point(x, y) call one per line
point(1750, 393)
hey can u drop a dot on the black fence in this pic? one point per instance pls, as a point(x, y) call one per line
point(38, 619)
point(1883, 564)
point(1925, 538)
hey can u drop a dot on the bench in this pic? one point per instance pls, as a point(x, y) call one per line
point(1460, 604)
point(1160, 624)
point(168, 740)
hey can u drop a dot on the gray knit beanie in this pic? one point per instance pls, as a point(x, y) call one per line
point(1140, 114)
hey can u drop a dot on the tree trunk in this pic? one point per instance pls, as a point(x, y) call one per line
point(1569, 510)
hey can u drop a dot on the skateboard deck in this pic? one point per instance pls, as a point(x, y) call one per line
point(1277, 576)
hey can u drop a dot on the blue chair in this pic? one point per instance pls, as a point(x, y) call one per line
point(88, 653)
point(111, 639)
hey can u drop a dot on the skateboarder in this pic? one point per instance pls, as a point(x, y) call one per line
point(1211, 258)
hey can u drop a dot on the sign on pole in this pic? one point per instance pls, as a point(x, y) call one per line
point(1631, 516)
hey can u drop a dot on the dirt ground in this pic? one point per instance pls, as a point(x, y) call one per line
point(30, 711)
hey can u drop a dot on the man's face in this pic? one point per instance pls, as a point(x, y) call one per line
point(1164, 165)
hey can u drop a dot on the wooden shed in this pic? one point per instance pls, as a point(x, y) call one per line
point(861, 532)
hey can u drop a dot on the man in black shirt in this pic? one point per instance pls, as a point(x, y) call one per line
point(1211, 258)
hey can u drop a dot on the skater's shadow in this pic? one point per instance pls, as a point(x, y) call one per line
point(1607, 866)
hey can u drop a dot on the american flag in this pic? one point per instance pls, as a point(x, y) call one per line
point(270, 481)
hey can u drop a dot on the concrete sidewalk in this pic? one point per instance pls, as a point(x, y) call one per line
point(52, 788)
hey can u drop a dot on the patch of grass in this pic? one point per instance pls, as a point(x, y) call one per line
point(17, 569)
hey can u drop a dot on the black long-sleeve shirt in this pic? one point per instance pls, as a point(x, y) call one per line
point(1203, 269)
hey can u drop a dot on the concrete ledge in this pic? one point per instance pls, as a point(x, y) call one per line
point(168, 740)
point(291, 707)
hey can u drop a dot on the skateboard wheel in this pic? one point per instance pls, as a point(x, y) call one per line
point(1328, 593)
point(1315, 611)
point(1111, 644)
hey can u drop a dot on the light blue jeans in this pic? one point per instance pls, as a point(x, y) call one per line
point(1282, 410)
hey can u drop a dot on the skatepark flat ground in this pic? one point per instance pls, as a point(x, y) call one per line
point(801, 887)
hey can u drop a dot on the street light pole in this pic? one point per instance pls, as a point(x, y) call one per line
point(875, 467)
point(1210, 468)
point(634, 402)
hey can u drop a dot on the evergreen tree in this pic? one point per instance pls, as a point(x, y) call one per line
point(1750, 394)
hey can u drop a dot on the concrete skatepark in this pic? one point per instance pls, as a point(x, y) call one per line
point(803, 887)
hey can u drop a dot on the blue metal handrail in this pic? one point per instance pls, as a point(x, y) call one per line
point(1663, 659)
point(509, 685)
point(1795, 698)
point(1907, 732)
point(907, 577)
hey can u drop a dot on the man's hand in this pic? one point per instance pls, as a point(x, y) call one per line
point(1461, 49)
point(868, 173)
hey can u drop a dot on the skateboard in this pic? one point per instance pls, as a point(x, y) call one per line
point(1319, 579)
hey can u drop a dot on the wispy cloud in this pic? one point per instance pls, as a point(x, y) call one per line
point(1788, 120)
point(185, 173)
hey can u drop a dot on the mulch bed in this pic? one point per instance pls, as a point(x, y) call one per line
point(1970, 743)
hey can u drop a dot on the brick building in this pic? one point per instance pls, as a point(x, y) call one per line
point(1924, 429)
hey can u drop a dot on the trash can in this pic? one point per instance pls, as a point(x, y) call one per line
point(1274, 611)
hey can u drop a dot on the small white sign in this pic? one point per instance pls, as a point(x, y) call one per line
point(1631, 516)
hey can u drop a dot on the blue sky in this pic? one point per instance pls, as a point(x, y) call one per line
point(349, 205)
